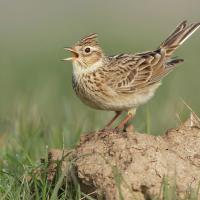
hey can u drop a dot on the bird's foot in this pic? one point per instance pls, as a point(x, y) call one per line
point(106, 128)
point(129, 128)
point(126, 128)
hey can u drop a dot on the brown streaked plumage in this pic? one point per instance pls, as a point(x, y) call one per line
point(123, 82)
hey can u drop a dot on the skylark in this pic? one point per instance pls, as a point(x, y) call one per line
point(123, 82)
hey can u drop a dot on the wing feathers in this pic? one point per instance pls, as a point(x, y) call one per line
point(137, 71)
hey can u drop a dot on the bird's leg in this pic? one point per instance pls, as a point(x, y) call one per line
point(124, 121)
point(118, 113)
point(130, 116)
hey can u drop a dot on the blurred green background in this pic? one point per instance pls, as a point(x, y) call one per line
point(32, 37)
point(38, 108)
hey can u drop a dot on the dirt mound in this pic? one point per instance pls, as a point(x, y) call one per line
point(131, 165)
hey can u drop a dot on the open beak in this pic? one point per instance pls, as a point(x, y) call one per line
point(74, 54)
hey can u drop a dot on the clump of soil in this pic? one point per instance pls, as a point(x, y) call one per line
point(131, 165)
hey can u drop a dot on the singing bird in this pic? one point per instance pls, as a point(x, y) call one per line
point(123, 82)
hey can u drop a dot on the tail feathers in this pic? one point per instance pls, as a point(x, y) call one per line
point(171, 63)
point(164, 71)
point(178, 37)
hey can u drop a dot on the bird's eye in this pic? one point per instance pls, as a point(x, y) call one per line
point(87, 50)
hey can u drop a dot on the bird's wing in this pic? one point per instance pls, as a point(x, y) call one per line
point(128, 73)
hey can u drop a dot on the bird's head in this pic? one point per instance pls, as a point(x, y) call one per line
point(86, 53)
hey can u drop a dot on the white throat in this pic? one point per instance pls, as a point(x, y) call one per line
point(79, 70)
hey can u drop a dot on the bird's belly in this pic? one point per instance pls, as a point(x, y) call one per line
point(120, 103)
point(124, 103)
point(133, 100)
point(93, 101)
point(109, 100)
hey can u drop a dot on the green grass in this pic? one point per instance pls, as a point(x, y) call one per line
point(25, 143)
